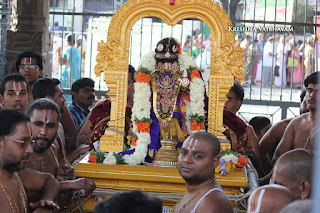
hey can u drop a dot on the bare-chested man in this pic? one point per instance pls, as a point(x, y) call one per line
point(44, 117)
point(197, 161)
point(294, 171)
point(14, 93)
point(272, 138)
point(298, 133)
point(49, 88)
point(15, 148)
point(269, 199)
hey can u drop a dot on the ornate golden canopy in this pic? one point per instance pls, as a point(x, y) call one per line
point(113, 56)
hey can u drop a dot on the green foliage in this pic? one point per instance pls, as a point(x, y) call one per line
point(119, 159)
point(100, 156)
point(229, 152)
point(134, 135)
point(190, 68)
point(225, 152)
point(136, 120)
point(197, 118)
point(143, 70)
point(302, 13)
point(126, 146)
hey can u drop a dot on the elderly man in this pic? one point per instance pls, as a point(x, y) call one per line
point(15, 148)
point(82, 92)
point(269, 199)
point(44, 117)
point(300, 131)
point(294, 171)
point(29, 65)
point(197, 162)
point(14, 93)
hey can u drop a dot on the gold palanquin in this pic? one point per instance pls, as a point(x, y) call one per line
point(113, 57)
point(148, 179)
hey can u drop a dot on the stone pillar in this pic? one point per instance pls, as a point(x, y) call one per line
point(29, 31)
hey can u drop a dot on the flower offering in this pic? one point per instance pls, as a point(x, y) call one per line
point(229, 161)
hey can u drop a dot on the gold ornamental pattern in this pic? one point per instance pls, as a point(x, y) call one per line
point(117, 84)
point(217, 98)
point(226, 59)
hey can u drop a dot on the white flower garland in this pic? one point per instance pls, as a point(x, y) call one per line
point(142, 106)
point(196, 100)
point(140, 110)
point(186, 61)
point(148, 61)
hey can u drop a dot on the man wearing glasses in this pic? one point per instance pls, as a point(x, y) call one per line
point(14, 93)
point(29, 65)
point(15, 149)
point(301, 131)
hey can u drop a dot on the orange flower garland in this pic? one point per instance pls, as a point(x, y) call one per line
point(143, 127)
point(195, 74)
point(195, 126)
point(143, 78)
point(179, 49)
point(134, 141)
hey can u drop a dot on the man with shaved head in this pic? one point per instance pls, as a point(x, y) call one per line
point(197, 162)
point(294, 171)
point(269, 199)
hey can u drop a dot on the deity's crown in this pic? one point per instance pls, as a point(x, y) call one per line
point(167, 50)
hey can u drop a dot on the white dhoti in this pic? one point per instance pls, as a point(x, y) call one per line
point(258, 74)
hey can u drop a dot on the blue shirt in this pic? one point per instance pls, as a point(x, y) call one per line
point(260, 47)
point(77, 113)
point(72, 67)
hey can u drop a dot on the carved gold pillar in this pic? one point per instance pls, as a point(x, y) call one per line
point(217, 98)
point(117, 84)
point(226, 59)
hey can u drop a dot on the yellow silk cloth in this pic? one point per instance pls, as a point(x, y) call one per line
point(174, 129)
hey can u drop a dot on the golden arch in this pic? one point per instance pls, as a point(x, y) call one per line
point(113, 56)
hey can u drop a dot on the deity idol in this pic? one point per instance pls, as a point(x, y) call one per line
point(168, 104)
point(177, 97)
point(166, 86)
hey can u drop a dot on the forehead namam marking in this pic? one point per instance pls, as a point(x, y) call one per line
point(46, 116)
point(17, 85)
